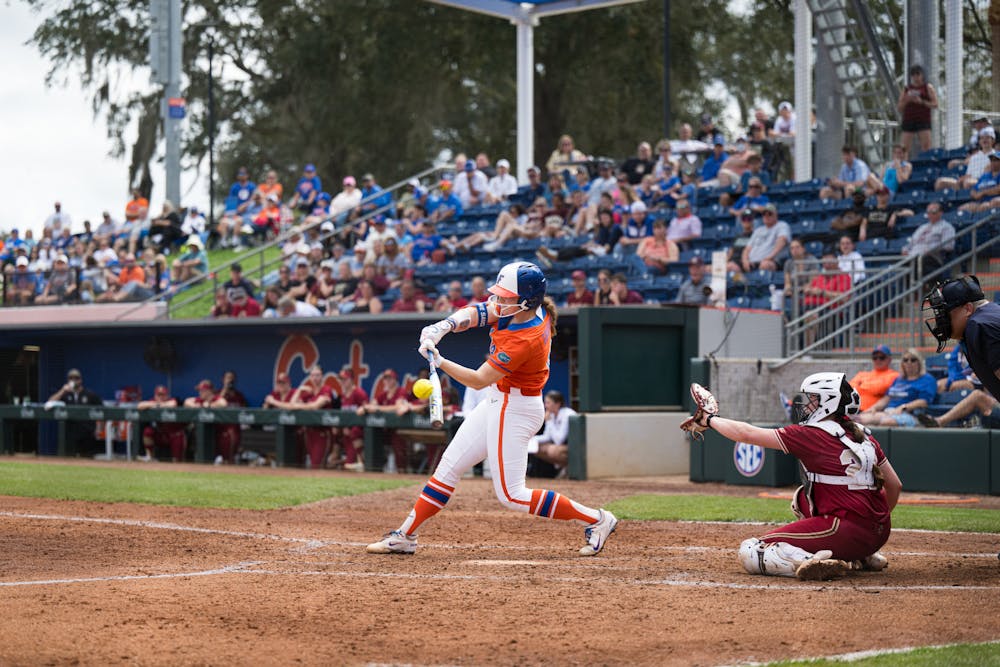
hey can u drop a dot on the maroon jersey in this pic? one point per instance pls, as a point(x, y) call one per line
point(586, 299)
point(307, 394)
point(825, 454)
point(357, 397)
point(390, 397)
point(283, 397)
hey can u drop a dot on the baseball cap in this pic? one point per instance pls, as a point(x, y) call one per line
point(882, 349)
point(637, 207)
point(282, 377)
point(771, 207)
point(204, 384)
point(995, 155)
point(785, 105)
point(719, 140)
point(535, 169)
point(310, 167)
point(502, 162)
point(74, 373)
point(326, 227)
point(63, 258)
point(989, 131)
point(696, 261)
point(161, 390)
point(980, 119)
point(706, 118)
point(368, 177)
point(682, 203)
point(470, 165)
point(389, 373)
point(22, 261)
point(237, 267)
point(346, 374)
point(445, 185)
point(578, 275)
point(349, 180)
point(413, 183)
point(328, 264)
point(360, 247)
point(747, 214)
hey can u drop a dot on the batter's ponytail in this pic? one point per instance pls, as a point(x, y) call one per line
point(550, 307)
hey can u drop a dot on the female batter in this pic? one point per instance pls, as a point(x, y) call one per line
point(523, 322)
point(851, 488)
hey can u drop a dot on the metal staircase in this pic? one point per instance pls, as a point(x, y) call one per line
point(862, 51)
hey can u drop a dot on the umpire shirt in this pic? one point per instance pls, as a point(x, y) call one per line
point(82, 396)
point(982, 345)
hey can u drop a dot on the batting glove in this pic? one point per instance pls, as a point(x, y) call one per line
point(706, 407)
point(428, 350)
point(435, 332)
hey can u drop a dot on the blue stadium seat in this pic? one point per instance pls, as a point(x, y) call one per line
point(739, 302)
point(952, 397)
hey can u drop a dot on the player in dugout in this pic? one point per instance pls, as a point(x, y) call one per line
point(843, 509)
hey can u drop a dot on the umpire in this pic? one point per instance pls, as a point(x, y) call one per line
point(962, 313)
point(79, 434)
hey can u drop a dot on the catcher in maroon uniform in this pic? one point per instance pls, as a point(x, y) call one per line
point(850, 487)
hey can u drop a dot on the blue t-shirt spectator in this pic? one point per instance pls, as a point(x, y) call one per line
point(762, 176)
point(423, 246)
point(958, 365)
point(239, 193)
point(379, 197)
point(308, 185)
point(746, 201)
point(710, 168)
point(526, 194)
point(986, 181)
point(451, 200)
point(633, 230)
point(903, 390)
point(852, 173)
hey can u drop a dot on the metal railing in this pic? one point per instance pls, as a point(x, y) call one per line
point(882, 309)
point(256, 257)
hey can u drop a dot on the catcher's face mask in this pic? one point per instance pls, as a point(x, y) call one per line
point(943, 299)
point(803, 405)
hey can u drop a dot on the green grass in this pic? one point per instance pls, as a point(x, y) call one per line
point(186, 489)
point(202, 295)
point(962, 655)
point(734, 508)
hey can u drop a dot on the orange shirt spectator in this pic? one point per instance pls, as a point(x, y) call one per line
point(873, 385)
point(271, 186)
point(131, 272)
point(137, 208)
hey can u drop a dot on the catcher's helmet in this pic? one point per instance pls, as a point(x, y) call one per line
point(832, 395)
point(944, 298)
point(523, 280)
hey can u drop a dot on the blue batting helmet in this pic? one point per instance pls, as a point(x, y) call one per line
point(523, 280)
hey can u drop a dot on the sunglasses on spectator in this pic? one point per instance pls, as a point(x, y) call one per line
point(755, 185)
point(913, 359)
point(879, 357)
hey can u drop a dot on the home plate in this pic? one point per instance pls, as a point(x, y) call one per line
point(508, 562)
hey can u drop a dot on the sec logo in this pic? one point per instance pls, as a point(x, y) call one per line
point(749, 459)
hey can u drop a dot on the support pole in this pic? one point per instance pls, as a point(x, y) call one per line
point(667, 133)
point(525, 95)
point(803, 91)
point(953, 74)
point(171, 126)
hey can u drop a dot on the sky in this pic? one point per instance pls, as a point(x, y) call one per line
point(53, 147)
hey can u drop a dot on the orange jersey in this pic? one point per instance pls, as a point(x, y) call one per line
point(521, 351)
point(134, 208)
point(873, 385)
point(264, 189)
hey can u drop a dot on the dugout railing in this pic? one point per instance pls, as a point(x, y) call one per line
point(885, 308)
point(284, 422)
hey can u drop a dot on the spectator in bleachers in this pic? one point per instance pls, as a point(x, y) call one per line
point(762, 118)
point(689, 186)
point(850, 260)
point(92, 280)
point(375, 198)
point(830, 286)
point(605, 238)
point(62, 242)
point(129, 272)
point(237, 284)
point(443, 205)
point(880, 220)
point(272, 295)
point(285, 281)
point(602, 296)
point(664, 158)
point(668, 187)
point(912, 390)
point(306, 191)
point(165, 230)
point(289, 306)
point(534, 189)
point(986, 192)
point(107, 229)
point(364, 300)
point(740, 241)
point(137, 208)
point(379, 232)
point(934, 240)
point(61, 285)
point(755, 200)
point(657, 251)
point(302, 281)
point(755, 170)
point(413, 195)
point(768, 151)
point(57, 221)
point(194, 223)
point(708, 133)
point(192, 264)
point(735, 165)
point(709, 174)
point(637, 225)
point(347, 199)
point(271, 186)
point(784, 124)
point(554, 227)
point(768, 245)
point(874, 384)
point(484, 165)
point(293, 248)
point(242, 304)
point(695, 289)
point(850, 221)
point(580, 296)
point(378, 281)
point(685, 226)
point(452, 299)
point(343, 289)
point(46, 255)
point(557, 188)
point(156, 279)
point(976, 163)
point(501, 186)
point(411, 300)
point(620, 293)
point(29, 240)
point(960, 374)
point(977, 401)
point(895, 172)
point(646, 191)
point(605, 182)
point(685, 147)
point(393, 263)
point(852, 176)
point(580, 181)
point(428, 243)
point(564, 154)
point(470, 185)
point(640, 164)
point(477, 291)
point(914, 104)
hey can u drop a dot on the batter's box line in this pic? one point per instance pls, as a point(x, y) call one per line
point(775, 523)
point(863, 655)
point(229, 569)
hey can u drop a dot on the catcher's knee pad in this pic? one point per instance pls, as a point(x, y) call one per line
point(795, 504)
point(776, 558)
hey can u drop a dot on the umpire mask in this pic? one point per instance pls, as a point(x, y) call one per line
point(944, 298)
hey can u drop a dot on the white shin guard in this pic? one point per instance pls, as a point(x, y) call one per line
point(776, 559)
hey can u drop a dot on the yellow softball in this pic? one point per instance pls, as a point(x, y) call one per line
point(422, 388)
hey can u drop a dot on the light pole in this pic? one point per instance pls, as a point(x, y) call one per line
point(211, 126)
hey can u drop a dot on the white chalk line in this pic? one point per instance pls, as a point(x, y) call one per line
point(773, 523)
point(133, 577)
point(862, 655)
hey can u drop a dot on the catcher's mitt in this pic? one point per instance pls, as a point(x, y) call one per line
point(705, 407)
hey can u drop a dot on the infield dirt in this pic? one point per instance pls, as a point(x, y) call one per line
point(93, 583)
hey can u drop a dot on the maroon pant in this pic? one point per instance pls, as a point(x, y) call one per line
point(848, 539)
point(317, 439)
point(352, 443)
point(227, 441)
point(166, 436)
